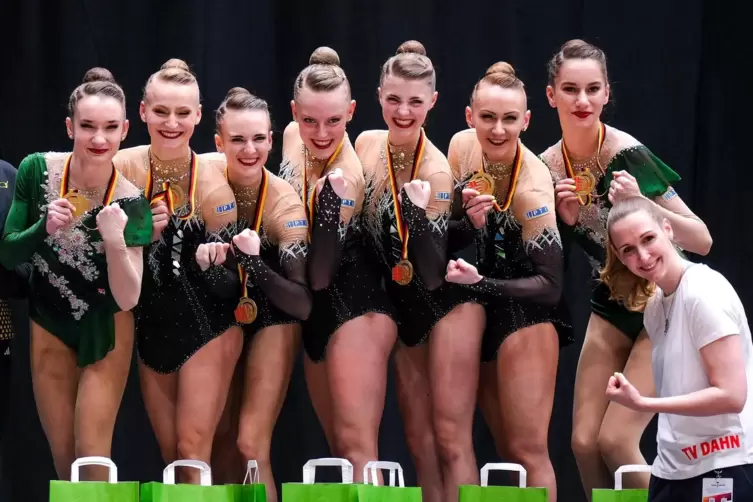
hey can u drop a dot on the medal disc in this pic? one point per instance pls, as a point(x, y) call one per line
point(483, 183)
point(585, 182)
point(402, 273)
point(79, 202)
point(245, 312)
point(178, 196)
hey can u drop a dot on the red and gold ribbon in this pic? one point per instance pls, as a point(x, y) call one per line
point(308, 200)
point(79, 202)
point(585, 181)
point(517, 165)
point(170, 192)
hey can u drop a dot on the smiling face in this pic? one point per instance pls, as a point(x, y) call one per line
point(579, 93)
point(97, 127)
point(322, 118)
point(171, 112)
point(643, 245)
point(405, 105)
point(499, 115)
point(246, 139)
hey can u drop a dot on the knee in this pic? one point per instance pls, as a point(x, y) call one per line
point(352, 441)
point(584, 443)
point(421, 441)
point(528, 450)
point(452, 442)
point(614, 441)
point(254, 446)
point(194, 443)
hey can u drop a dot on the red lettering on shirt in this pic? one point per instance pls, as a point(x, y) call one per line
point(715, 445)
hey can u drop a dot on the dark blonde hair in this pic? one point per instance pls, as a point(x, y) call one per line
point(410, 62)
point(323, 74)
point(625, 286)
point(175, 71)
point(239, 99)
point(576, 49)
point(501, 74)
point(96, 82)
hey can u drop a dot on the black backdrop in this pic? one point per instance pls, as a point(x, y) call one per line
point(677, 71)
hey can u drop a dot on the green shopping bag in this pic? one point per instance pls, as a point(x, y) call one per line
point(252, 492)
point(375, 493)
point(168, 491)
point(618, 494)
point(486, 493)
point(94, 491)
point(308, 491)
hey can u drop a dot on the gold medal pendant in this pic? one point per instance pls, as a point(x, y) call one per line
point(245, 312)
point(79, 202)
point(402, 273)
point(178, 196)
point(482, 182)
point(585, 183)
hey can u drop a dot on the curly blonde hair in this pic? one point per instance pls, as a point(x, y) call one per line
point(624, 286)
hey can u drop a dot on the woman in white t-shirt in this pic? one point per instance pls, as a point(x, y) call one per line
point(702, 360)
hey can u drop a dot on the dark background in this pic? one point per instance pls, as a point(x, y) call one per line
point(679, 71)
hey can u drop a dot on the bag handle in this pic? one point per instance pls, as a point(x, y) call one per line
point(252, 465)
point(113, 474)
point(309, 470)
point(168, 475)
point(522, 478)
point(628, 468)
point(390, 466)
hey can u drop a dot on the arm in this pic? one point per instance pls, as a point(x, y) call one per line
point(461, 234)
point(690, 232)
point(123, 234)
point(124, 269)
point(535, 210)
point(23, 230)
point(222, 278)
point(428, 229)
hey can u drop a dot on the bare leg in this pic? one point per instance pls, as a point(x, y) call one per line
point(357, 357)
point(488, 399)
point(160, 395)
point(55, 380)
point(526, 377)
point(321, 399)
point(414, 398)
point(622, 428)
point(100, 392)
point(454, 360)
point(267, 374)
point(227, 461)
point(605, 350)
point(204, 382)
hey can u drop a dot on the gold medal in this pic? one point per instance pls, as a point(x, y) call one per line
point(402, 273)
point(178, 196)
point(585, 182)
point(245, 312)
point(79, 202)
point(483, 183)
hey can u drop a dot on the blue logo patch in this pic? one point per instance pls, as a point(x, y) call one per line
point(669, 194)
point(348, 203)
point(535, 213)
point(224, 208)
point(442, 196)
point(3, 184)
point(296, 223)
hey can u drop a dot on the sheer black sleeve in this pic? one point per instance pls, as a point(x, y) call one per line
point(288, 293)
point(427, 244)
point(326, 243)
point(461, 234)
point(223, 280)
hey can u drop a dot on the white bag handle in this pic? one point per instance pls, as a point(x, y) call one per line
point(252, 465)
point(113, 475)
point(523, 474)
point(390, 466)
point(309, 470)
point(628, 468)
point(168, 475)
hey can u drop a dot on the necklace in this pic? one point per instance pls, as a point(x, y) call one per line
point(402, 157)
point(668, 315)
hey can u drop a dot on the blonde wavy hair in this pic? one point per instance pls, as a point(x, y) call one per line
point(624, 286)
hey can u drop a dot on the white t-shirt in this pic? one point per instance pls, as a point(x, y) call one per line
point(705, 309)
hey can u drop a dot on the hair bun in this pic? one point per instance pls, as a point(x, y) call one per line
point(501, 67)
point(411, 47)
point(236, 92)
point(325, 56)
point(176, 63)
point(98, 74)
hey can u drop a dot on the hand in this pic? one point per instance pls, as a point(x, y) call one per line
point(461, 272)
point(248, 242)
point(623, 186)
point(160, 218)
point(622, 392)
point(59, 214)
point(336, 179)
point(476, 206)
point(211, 253)
point(418, 192)
point(111, 222)
point(566, 201)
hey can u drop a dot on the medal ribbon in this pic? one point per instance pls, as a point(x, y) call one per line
point(166, 193)
point(111, 184)
point(517, 164)
point(402, 228)
point(309, 206)
point(569, 166)
point(257, 220)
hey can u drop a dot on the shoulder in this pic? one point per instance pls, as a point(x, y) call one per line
point(552, 155)
point(617, 142)
point(126, 189)
point(463, 139)
point(132, 154)
point(291, 130)
point(7, 168)
point(281, 187)
point(369, 136)
point(705, 284)
point(536, 167)
point(213, 161)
